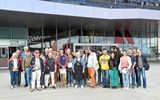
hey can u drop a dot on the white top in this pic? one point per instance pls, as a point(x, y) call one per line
point(92, 60)
point(37, 63)
point(15, 65)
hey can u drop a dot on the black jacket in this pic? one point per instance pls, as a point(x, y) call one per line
point(32, 63)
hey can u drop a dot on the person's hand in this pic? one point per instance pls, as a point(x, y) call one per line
point(83, 71)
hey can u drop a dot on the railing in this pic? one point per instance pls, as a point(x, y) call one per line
point(145, 4)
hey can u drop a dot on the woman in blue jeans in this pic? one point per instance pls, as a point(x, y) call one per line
point(27, 68)
point(14, 64)
point(141, 60)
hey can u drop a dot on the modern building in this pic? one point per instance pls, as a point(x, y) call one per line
point(79, 23)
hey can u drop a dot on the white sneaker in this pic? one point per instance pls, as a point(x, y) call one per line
point(72, 85)
point(28, 87)
point(12, 87)
point(76, 86)
point(55, 85)
point(68, 85)
point(82, 86)
point(127, 88)
point(124, 88)
point(43, 86)
point(15, 86)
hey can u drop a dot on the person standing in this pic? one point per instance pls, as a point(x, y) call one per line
point(142, 61)
point(92, 61)
point(78, 69)
point(124, 67)
point(52, 65)
point(132, 71)
point(20, 70)
point(27, 68)
point(63, 62)
point(70, 70)
point(14, 64)
point(113, 64)
point(104, 62)
point(37, 66)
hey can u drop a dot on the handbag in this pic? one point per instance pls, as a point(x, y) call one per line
point(146, 66)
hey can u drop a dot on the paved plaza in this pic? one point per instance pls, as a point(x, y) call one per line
point(151, 93)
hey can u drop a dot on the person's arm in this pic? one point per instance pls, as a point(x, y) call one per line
point(58, 61)
point(134, 64)
point(23, 64)
point(66, 61)
point(129, 62)
point(119, 66)
point(55, 64)
point(74, 62)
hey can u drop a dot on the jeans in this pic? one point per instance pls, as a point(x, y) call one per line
point(141, 71)
point(28, 75)
point(126, 79)
point(19, 78)
point(79, 82)
point(106, 79)
point(99, 76)
point(25, 78)
point(69, 76)
point(133, 77)
point(14, 77)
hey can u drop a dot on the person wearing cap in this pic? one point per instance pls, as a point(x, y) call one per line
point(104, 62)
point(37, 66)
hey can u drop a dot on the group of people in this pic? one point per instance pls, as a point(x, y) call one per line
point(109, 69)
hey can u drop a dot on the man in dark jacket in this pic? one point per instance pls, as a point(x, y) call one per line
point(37, 67)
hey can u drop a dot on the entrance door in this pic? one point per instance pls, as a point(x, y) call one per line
point(3, 56)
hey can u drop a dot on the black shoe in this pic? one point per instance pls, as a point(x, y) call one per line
point(39, 89)
point(133, 87)
point(25, 85)
point(104, 86)
point(54, 87)
point(45, 87)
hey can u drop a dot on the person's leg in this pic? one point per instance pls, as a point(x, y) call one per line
point(120, 78)
point(107, 78)
point(93, 78)
point(38, 74)
point(28, 76)
point(104, 78)
point(33, 80)
point(19, 78)
point(124, 80)
point(116, 77)
point(46, 79)
point(139, 77)
point(25, 78)
point(65, 79)
point(133, 78)
point(127, 79)
point(68, 77)
point(111, 72)
point(99, 76)
point(12, 78)
point(52, 78)
point(144, 78)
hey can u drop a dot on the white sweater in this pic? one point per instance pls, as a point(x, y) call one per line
point(92, 60)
